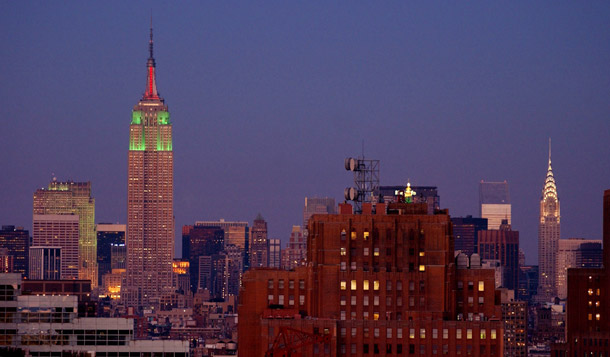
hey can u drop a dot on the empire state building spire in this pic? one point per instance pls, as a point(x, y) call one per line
point(151, 83)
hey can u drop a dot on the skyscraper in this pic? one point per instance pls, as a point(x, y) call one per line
point(575, 253)
point(45, 263)
point(494, 203)
point(548, 236)
point(503, 245)
point(259, 245)
point(150, 197)
point(107, 235)
point(465, 232)
point(316, 205)
point(72, 198)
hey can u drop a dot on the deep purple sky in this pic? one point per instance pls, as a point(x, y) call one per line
point(268, 99)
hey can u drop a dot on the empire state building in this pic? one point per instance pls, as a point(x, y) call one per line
point(150, 196)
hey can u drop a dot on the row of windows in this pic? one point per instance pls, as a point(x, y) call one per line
point(423, 350)
point(280, 299)
point(280, 284)
point(389, 333)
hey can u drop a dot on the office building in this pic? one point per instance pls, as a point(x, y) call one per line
point(528, 282)
point(45, 263)
point(150, 197)
point(275, 253)
point(107, 235)
point(259, 244)
point(59, 230)
point(575, 253)
point(235, 233)
point(378, 284)
point(465, 233)
point(17, 243)
point(423, 194)
point(549, 227)
point(204, 241)
point(48, 325)
point(494, 203)
point(73, 198)
point(588, 311)
point(315, 205)
point(502, 245)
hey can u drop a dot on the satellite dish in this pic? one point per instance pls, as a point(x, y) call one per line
point(351, 194)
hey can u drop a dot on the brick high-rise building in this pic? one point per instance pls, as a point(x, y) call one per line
point(73, 198)
point(502, 245)
point(588, 310)
point(383, 284)
point(17, 243)
point(549, 227)
point(259, 244)
point(150, 198)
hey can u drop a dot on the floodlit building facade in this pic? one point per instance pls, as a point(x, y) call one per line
point(150, 198)
point(494, 203)
point(549, 232)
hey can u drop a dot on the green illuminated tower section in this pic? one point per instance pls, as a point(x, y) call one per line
point(150, 211)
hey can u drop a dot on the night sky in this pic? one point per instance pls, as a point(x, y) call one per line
point(268, 99)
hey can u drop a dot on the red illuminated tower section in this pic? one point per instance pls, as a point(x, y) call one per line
point(150, 211)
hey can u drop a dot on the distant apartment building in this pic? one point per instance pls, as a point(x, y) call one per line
point(59, 230)
point(514, 316)
point(73, 198)
point(494, 203)
point(16, 241)
point(465, 233)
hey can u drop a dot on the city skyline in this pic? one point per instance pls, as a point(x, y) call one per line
point(268, 108)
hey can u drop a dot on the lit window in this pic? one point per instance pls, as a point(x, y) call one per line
point(481, 286)
point(597, 292)
point(421, 254)
point(366, 235)
point(483, 335)
point(597, 304)
point(590, 292)
point(343, 285)
point(353, 235)
point(376, 316)
point(343, 235)
point(365, 285)
point(343, 251)
point(354, 285)
point(458, 333)
point(422, 268)
point(493, 333)
point(469, 334)
point(376, 252)
point(376, 285)
point(597, 317)
point(411, 333)
point(422, 333)
point(590, 317)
